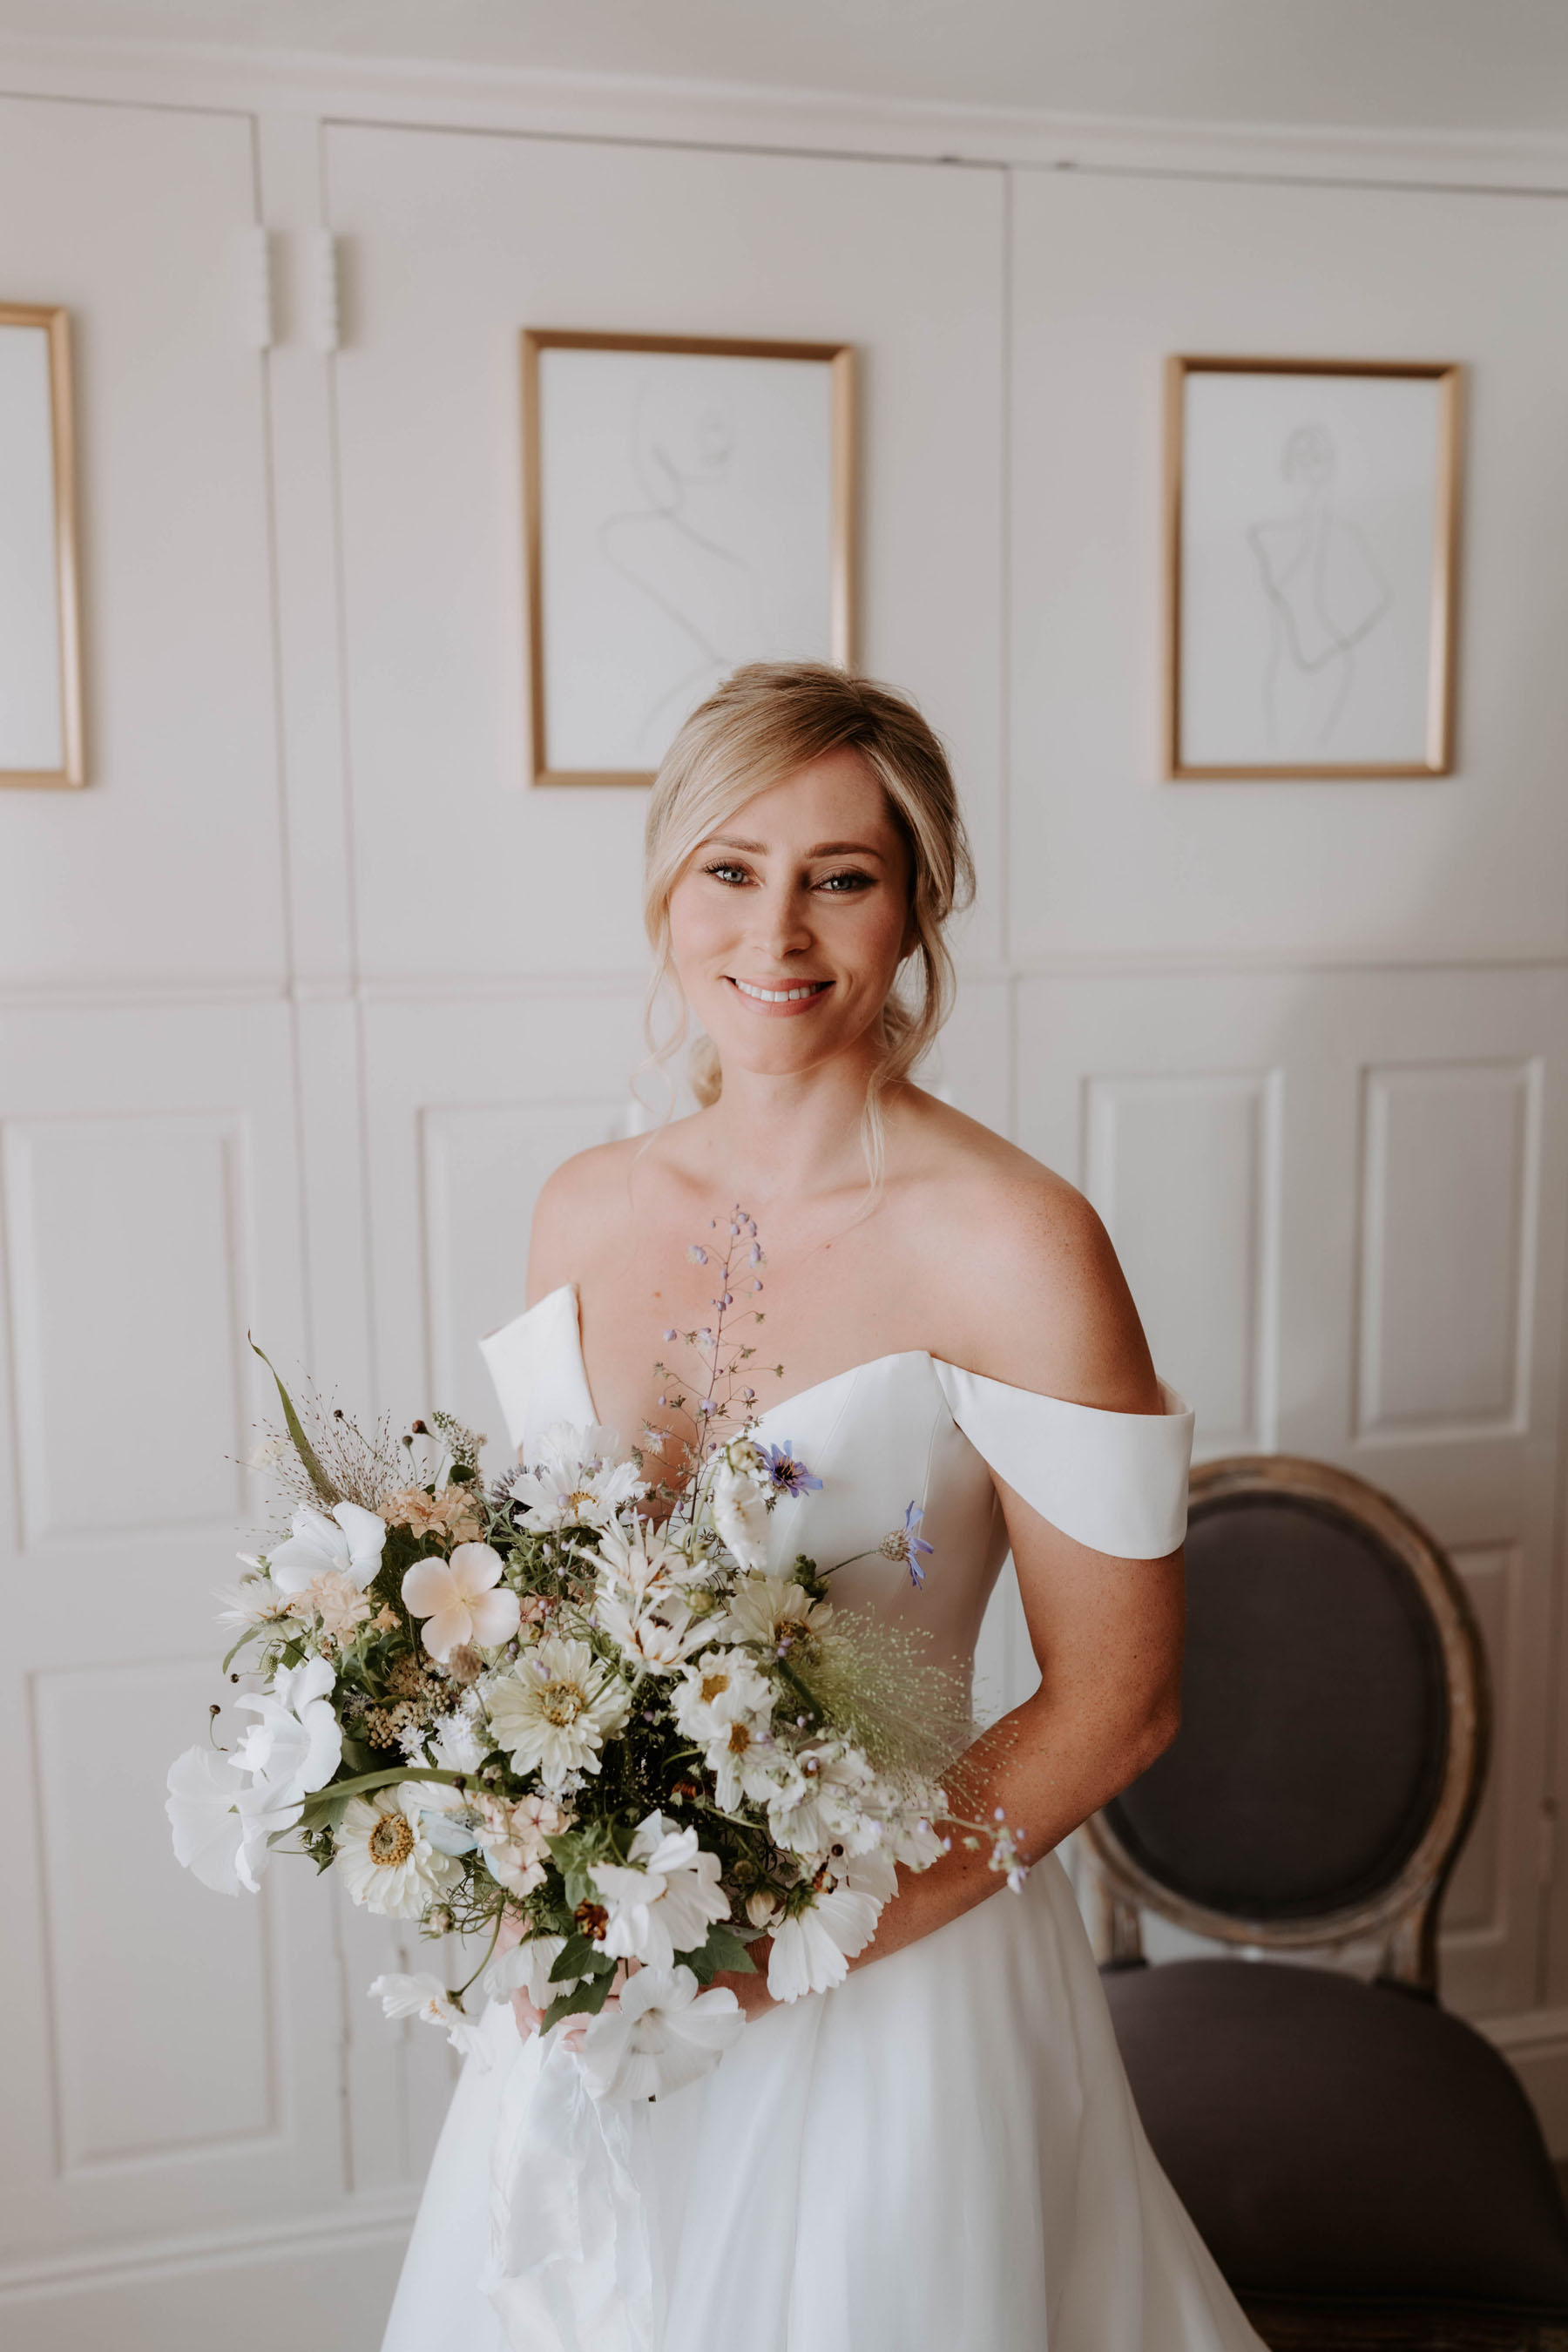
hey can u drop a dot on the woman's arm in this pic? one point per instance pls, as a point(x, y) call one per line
point(1049, 1298)
point(1108, 1636)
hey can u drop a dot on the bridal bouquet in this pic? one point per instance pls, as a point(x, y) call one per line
point(615, 1744)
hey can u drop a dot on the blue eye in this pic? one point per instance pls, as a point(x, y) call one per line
point(851, 878)
point(726, 873)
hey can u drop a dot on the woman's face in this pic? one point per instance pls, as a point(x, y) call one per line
point(789, 923)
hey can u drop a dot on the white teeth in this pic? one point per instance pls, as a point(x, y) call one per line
point(779, 995)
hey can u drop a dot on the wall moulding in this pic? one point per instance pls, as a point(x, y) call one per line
point(372, 2221)
point(671, 112)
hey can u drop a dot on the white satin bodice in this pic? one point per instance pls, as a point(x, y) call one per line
point(902, 1429)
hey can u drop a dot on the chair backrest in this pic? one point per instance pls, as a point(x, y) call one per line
point(1335, 1726)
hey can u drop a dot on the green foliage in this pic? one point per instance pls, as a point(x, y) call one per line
point(724, 1950)
point(302, 1447)
point(589, 1997)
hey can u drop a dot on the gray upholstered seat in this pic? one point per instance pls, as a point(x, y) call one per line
point(1365, 2166)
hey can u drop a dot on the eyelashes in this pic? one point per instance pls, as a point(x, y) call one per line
point(850, 881)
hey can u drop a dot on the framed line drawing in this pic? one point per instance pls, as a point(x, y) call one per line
point(1311, 530)
point(690, 506)
point(40, 636)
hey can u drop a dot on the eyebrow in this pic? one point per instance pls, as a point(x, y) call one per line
point(821, 849)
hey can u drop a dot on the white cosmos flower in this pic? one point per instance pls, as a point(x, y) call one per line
point(728, 1705)
point(871, 1873)
point(296, 1744)
point(526, 1968)
point(219, 1821)
point(812, 1951)
point(721, 1687)
point(349, 1541)
point(457, 1600)
point(818, 1801)
point(427, 1997)
point(555, 1708)
point(385, 1853)
point(665, 1898)
point(738, 1498)
point(664, 2034)
point(581, 1479)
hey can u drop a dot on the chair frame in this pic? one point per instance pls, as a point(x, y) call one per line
point(1403, 1915)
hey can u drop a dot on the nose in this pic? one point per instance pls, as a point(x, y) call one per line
point(781, 917)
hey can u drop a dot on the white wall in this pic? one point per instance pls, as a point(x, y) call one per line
point(308, 991)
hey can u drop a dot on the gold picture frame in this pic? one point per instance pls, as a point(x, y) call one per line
point(574, 737)
point(50, 544)
point(1294, 647)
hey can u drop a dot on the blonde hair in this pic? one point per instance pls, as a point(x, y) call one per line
point(764, 723)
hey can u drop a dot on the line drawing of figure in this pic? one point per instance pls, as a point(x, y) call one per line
point(1326, 592)
point(672, 549)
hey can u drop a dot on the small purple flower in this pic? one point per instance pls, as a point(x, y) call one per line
point(787, 1474)
point(698, 1255)
point(906, 1545)
point(672, 1335)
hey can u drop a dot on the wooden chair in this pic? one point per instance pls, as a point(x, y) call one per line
point(1365, 2166)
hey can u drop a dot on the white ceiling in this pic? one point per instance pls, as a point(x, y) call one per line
point(1484, 65)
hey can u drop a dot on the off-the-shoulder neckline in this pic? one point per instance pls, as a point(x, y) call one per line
point(869, 1364)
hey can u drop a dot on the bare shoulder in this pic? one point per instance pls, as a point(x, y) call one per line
point(582, 1201)
point(1021, 1271)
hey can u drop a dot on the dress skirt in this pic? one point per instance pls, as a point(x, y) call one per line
point(939, 2156)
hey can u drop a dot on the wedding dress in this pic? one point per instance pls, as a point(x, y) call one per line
point(941, 2155)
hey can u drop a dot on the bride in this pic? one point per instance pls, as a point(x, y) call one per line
point(940, 2155)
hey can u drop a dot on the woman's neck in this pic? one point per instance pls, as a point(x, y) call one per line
point(790, 1138)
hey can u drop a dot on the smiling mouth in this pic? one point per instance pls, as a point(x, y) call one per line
point(794, 995)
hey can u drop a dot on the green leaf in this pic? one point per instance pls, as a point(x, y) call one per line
point(579, 1956)
point(336, 1794)
point(249, 1635)
point(724, 1950)
point(590, 1997)
point(302, 1447)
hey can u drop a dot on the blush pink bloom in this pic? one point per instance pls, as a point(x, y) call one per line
point(457, 1600)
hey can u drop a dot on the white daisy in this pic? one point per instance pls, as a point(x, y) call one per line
point(581, 1479)
point(385, 1855)
point(655, 1636)
point(254, 1600)
point(768, 1610)
point(812, 1950)
point(663, 1898)
point(662, 2034)
point(555, 1708)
